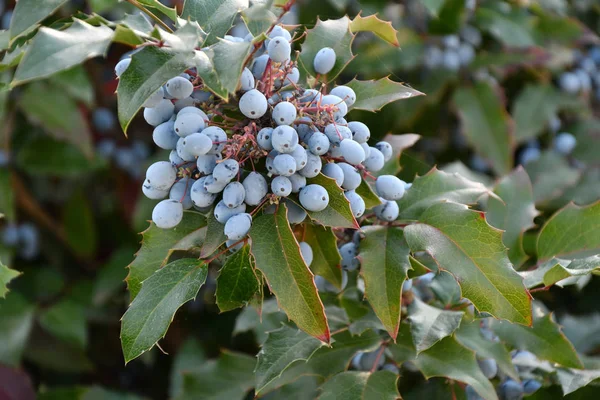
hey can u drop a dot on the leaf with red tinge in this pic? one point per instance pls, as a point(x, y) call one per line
point(15, 384)
point(383, 29)
point(277, 255)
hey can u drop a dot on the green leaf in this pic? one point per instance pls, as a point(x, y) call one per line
point(76, 83)
point(338, 213)
point(334, 33)
point(487, 125)
point(157, 5)
point(513, 28)
point(469, 335)
point(326, 257)
point(214, 16)
point(150, 68)
point(7, 196)
point(464, 244)
point(429, 324)
point(237, 282)
point(513, 212)
point(148, 317)
point(79, 225)
point(111, 277)
point(84, 393)
point(185, 39)
point(52, 51)
point(544, 339)
point(58, 114)
point(572, 379)
point(434, 6)
point(260, 319)
point(355, 385)
point(67, 321)
point(404, 348)
point(552, 176)
point(450, 19)
point(258, 18)
point(228, 377)
point(437, 186)
point(368, 195)
point(6, 275)
point(555, 270)
point(451, 360)
point(384, 265)
point(221, 65)
point(383, 29)
point(215, 236)
point(29, 13)
point(277, 256)
point(583, 331)
point(283, 347)
point(535, 106)
point(158, 245)
point(16, 314)
point(572, 232)
point(373, 95)
point(445, 288)
point(190, 358)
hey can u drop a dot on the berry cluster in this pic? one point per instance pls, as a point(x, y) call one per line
point(453, 51)
point(23, 237)
point(584, 77)
point(284, 135)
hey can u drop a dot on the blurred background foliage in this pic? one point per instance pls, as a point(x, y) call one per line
point(503, 80)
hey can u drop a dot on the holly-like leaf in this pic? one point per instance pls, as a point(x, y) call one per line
point(384, 265)
point(215, 236)
point(512, 28)
point(429, 324)
point(338, 213)
point(258, 18)
point(368, 195)
point(583, 331)
point(277, 256)
point(185, 39)
point(399, 143)
point(544, 339)
point(283, 347)
point(6, 275)
point(552, 177)
point(326, 257)
point(451, 360)
point(513, 212)
point(487, 125)
point(158, 6)
point(437, 186)
point(17, 316)
point(150, 68)
point(334, 33)
point(52, 51)
point(464, 244)
point(216, 17)
point(27, 14)
point(469, 335)
point(444, 287)
point(220, 66)
point(76, 83)
point(67, 321)
point(228, 377)
point(383, 29)
point(158, 245)
point(572, 379)
point(237, 282)
point(374, 94)
point(555, 270)
point(572, 232)
point(148, 317)
point(355, 385)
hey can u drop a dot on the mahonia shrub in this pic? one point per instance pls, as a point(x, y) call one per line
point(356, 283)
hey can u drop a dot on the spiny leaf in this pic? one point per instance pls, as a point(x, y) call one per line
point(399, 143)
point(283, 347)
point(277, 256)
point(355, 385)
point(157, 5)
point(6, 275)
point(384, 265)
point(573, 231)
point(17, 315)
point(258, 18)
point(544, 339)
point(572, 379)
point(237, 282)
point(383, 29)
point(445, 288)
point(371, 199)
point(215, 236)
point(334, 33)
point(555, 270)
point(488, 126)
point(186, 38)
point(27, 14)
point(150, 314)
point(463, 243)
point(158, 245)
point(437, 186)
point(374, 94)
point(338, 213)
point(469, 335)
point(52, 51)
point(552, 177)
point(150, 68)
point(429, 324)
point(514, 213)
point(214, 16)
point(326, 257)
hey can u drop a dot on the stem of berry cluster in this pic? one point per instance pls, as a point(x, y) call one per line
point(151, 15)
